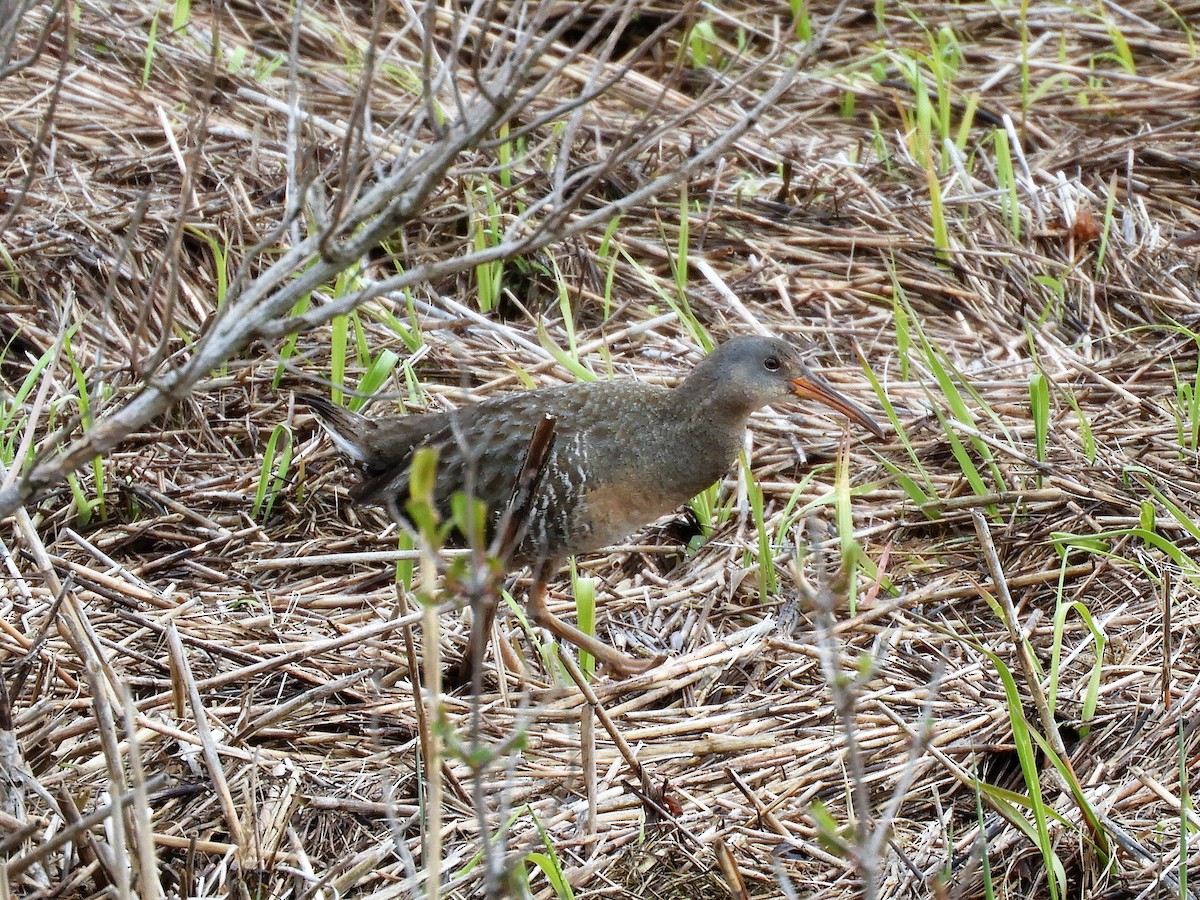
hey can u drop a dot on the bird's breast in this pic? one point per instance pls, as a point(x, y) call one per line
point(611, 512)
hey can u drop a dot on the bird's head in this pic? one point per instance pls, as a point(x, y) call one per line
point(748, 373)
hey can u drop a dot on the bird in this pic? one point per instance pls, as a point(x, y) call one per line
point(624, 453)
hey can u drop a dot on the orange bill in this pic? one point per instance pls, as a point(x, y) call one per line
point(811, 387)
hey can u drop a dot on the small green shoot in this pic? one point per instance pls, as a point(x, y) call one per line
point(919, 494)
point(851, 551)
point(405, 567)
point(953, 398)
point(12, 410)
point(679, 265)
point(1056, 877)
point(548, 862)
point(881, 148)
point(702, 45)
point(235, 59)
point(1085, 429)
point(1106, 229)
point(985, 863)
point(768, 582)
point(220, 261)
point(1187, 522)
point(486, 229)
point(374, 378)
point(834, 838)
point(792, 512)
point(1101, 543)
point(944, 59)
point(84, 507)
point(362, 346)
point(970, 106)
point(567, 360)
point(963, 458)
point(926, 150)
point(288, 350)
point(468, 516)
point(1039, 408)
point(408, 331)
point(548, 651)
point(337, 356)
point(679, 305)
point(710, 512)
point(9, 271)
point(1006, 179)
point(422, 511)
point(1099, 639)
point(412, 384)
point(564, 307)
point(1095, 829)
point(937, 213)
point(272, 477)
point(99, 504)
point(903, 337)
point(504, 156)
point(607, 254)
point(151, 50)
point(584, 590)
point(848, 105)
point(265, 67)
point(1187, 395)
point(1058, 293)
point(1186, 28)
point(182, 14)
point(853, 557)
point(1122, 55)
point(801, 23)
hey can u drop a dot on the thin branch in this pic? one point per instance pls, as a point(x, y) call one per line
point(259, 307)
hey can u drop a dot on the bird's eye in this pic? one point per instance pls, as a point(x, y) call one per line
point(771, 363)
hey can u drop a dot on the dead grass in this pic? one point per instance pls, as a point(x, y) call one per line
point(270, 707)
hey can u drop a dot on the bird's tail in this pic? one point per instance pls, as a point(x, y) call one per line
point(346, 428)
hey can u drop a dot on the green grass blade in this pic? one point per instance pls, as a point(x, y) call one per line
point(337, 356)
point(768, 584)
point(584, 590)
point(1039, 408)
point(1007, 181)
point(548, 862)
point(373, 379)
point(272, 477)
point(1106, 228)
point(567, 360)
point(1024, 742)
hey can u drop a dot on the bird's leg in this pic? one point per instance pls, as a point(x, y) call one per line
point(509, 533)
point(620, 663)
point(483, 615)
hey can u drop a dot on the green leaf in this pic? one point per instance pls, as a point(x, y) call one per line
point(272, 477)
point(584, 590)
point(548, 862)
point(1023, 740)
point(469, 515)
point(421, 482)
point(1039, 406)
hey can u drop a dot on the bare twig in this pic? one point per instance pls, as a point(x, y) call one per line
point(259, 306)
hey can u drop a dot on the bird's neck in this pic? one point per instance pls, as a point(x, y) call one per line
point(712, 426)
point(703, 397)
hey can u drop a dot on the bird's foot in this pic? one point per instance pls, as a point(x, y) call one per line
point(625, 665)
point(613, 660)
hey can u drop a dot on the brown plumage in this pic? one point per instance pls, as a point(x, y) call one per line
point(625, 453)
